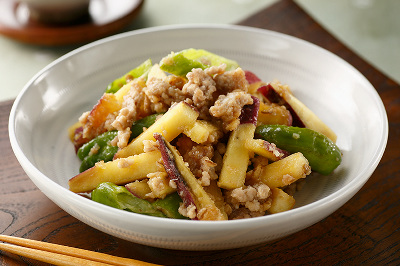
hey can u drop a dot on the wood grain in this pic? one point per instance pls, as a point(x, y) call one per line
point(364, 231)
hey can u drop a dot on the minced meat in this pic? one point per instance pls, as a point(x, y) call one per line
point(252, 200)
point(229, 107)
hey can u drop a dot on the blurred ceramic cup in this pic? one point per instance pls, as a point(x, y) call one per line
point(57, 11)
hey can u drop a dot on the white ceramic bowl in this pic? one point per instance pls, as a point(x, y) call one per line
point(334, 90)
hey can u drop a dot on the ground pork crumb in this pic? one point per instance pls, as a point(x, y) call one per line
point(189, 211)
point(95, 149)
point(100, 164)
point(254, 198)
point(123, 120)
point(158, 183)
point(306, 170)
point(197, 157)
point(287, 179)
point(150, 145)
point(88, 131)
point(259, 162)
point(214, 136)
point(206, 213)
point(135, 106)
point(114, 141)
point(272, 148)
point(172, 183)
point(200, 88)
point(234, 80)
point(263, 191)
point(126, 162)
point(123, 137)
point(253, 205)
point(214, 71)
point(229, 107)
point(109, 120)
point(207, 168)
point(83, 117)
point(162, 93)
point(243, 194)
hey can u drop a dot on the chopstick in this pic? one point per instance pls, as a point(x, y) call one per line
point(61, 255)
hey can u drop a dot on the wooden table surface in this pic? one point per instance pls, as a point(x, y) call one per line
point(364, 231)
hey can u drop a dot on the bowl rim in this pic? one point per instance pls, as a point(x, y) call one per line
point(343, 193)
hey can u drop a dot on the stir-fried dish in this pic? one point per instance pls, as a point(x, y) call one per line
point(197, 137)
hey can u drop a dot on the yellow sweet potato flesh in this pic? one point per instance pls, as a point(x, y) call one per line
point(236, 158)
point(201, 131)
point(139, 188)
point(72, 129)
point(273, 115)
point(286, 171)
point(156, 73)
point(137, 167)
point(107, 104)
point(260, 147)
point(215, 193)
point(281, 201)
point(254, 86)
point(170, 125)
point(119, 95)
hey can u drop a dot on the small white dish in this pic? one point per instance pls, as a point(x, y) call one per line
point(343, 98)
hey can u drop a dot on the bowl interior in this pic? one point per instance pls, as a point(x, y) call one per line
point(336, 92)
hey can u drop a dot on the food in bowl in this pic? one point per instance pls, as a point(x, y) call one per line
point(196, 137)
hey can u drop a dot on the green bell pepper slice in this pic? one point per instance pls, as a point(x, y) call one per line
point(183, 62)
point(119, 197)
point(139, 125)
point(169, 206)
point(322, 154)
point(142, 69)
point(98, 149)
